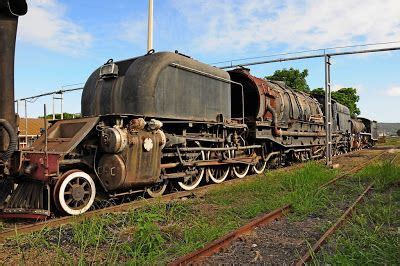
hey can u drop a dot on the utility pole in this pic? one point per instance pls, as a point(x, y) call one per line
point(328, 110)
point(150, 27)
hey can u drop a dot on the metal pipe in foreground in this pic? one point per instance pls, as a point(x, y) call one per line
point(9, 12)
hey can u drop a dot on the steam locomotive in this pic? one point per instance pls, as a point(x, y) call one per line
point(155, 120)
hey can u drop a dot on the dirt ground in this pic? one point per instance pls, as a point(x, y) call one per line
point(276, 243)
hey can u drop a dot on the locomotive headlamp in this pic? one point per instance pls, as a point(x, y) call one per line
point(148, 144)
point(109, 70)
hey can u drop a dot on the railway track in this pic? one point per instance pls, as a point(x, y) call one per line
point(308, 256)
point(317, 246)
point(214, 247)
point(226, 240)
point(198, 192)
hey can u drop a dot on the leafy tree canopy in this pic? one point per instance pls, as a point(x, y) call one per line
point(318, 91)
point(345, 96)
point(292, 78)
point(65, 115)
point(398, 132)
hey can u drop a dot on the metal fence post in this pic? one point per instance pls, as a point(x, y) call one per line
point(26, 124)
point(62, 102)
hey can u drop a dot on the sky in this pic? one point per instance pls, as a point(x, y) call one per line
point(62, 42)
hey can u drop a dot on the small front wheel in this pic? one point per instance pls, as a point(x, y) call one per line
point(74, 192)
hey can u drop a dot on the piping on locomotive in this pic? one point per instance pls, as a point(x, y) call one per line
point(165, 118)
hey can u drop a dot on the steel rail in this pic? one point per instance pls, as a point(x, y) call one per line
point(226, 240)
point(394, 158)
point(310, 253)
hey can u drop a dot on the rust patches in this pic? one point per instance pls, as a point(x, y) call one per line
point(43, 165)
point(217, 245)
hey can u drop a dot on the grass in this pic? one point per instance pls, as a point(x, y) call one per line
point(157, 233)
point(276, 189)
point(384, 174)
point(372, 236)
point(390, 141)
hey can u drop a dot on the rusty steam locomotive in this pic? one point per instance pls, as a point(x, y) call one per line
point(158, 119)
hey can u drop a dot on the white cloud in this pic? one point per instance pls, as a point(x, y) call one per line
point(226, 25)
point(336, 87)
point(134, 31)
point(360, 88)
point(45, 25)
point(393, 91)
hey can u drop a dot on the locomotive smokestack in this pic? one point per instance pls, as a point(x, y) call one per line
point(9, 12)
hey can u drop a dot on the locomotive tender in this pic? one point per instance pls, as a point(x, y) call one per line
point(160, 119)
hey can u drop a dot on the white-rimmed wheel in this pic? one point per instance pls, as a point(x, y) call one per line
point(218, 173)
point(192, 181)
point(241, 170)
point(259, 167)
point(157, 190)
point(74, 192)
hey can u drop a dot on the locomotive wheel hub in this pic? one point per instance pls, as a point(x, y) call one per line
point(78, 192)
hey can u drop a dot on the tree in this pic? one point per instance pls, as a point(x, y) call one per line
point(65, 116)
point(318, 91)
point(345, 96)
point(292, 78)
point(398, 132)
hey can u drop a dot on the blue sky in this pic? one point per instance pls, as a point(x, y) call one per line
point(61, 42)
